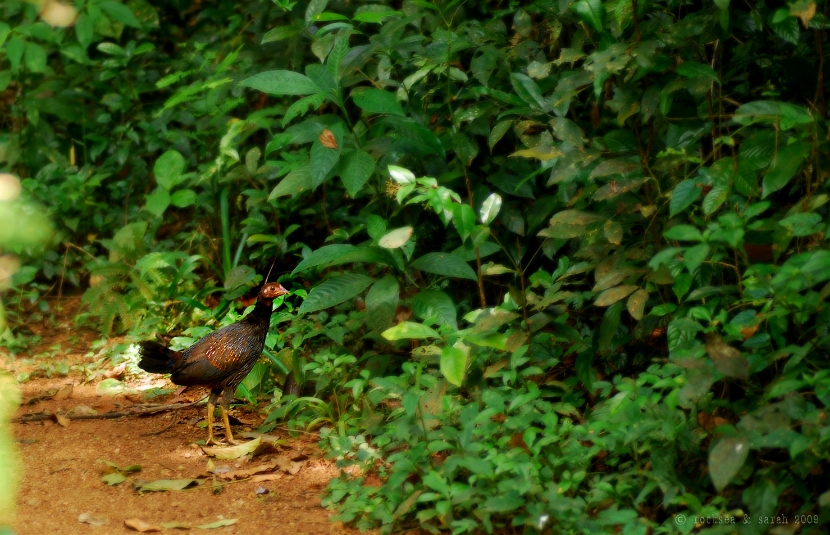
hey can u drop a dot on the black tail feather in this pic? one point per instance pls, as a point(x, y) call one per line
point(155, 358)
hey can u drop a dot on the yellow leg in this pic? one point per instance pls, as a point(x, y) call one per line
point(228, 433)
point(210, 408)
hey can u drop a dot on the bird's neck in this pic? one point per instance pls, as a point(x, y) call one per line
point(261, 312)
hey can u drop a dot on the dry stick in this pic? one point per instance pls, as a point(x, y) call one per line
point(148, 409)
point(167, 427)
point(63, 273)
point(478, 254)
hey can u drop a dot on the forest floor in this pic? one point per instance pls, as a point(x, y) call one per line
point(61, 490)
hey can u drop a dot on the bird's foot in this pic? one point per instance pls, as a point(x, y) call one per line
point(212, 442)
point(232, 442)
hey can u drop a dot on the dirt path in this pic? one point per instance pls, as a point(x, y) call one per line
point(62, 468)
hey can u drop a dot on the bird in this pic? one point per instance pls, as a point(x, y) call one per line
point(220, 360)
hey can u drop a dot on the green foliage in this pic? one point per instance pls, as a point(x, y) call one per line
point(565, 262)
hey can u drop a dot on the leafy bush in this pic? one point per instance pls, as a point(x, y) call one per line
point(566, 262)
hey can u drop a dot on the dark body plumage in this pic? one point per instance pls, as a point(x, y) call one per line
point(220, 360)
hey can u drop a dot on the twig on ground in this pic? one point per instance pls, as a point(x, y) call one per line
point(138, 410)
point(167, 427)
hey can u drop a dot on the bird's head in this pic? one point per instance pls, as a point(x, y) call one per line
point(272, 290)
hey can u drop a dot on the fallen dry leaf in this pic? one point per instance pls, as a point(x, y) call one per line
point(115, 478)
point(117, 372)
point(162, 485)
point(233, 452)
point(140, 525)
point(83, 409)
point(65, 392)
point(266, 477)
point(219, 524)
point(327, 139)
point(175, 525)
point(89, 518)
point(62, 420)
point(294, 468)
point(247, 472)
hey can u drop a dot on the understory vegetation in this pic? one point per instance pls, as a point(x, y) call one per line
point(555, 266)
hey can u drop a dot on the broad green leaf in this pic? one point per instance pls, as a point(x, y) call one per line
point(592, 13)
point(725, 460)
point(502, 503)
point(183, 198)
point(569, 224)
point(490, 208)
point(498, 132)
point(5, 30)
point(409, 330)
point(435, 304)
point(396, 238)
point(637, 303)
point(445, 264)
point(784, 166)
point(683, 195)
point(494, 340)
point(375, 226)
point(453, 364)
point(281, 83)
point(683, 233)
point(375, 17)
point(381, 303)
point(157, 202)
point(35, 58)
point(335, 291)
point(299, 108)
point(338, 52)
point(617, 187)
point(14, 52)
point(567, 131)
point(613, 232)
point(84, 30)
point(279, 33)
point(802, 224)
point(341, 253)
point(169, 169)
point(377, 101)
point(714, 199)
point(464, 219)
point(783, 113)
point(693, 69)
point(314, 8)
point(121, 13)
point(612, 278)
point(694, 256)
point(617, 166)
point(612, 295)
point(238, 276)
point(528, 90)
point(609, 325)
point(323, 160)
point(356, 167)
point(297, 181)
point(400, 175)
